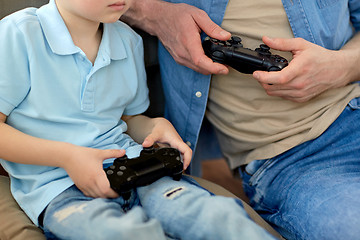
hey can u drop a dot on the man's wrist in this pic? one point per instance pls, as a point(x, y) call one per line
point(351, 58)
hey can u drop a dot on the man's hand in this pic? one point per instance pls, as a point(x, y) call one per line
point(178, 27)
point(312, 71)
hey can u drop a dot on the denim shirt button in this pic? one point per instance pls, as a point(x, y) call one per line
point(198, 94)
point(188, 143)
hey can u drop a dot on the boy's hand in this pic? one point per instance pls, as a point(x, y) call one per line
point(164, 133)
point(85, 168)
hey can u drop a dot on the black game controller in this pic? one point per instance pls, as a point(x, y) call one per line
point(152, 164)
point(245, 60)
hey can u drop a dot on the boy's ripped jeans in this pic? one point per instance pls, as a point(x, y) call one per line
point(166, 209)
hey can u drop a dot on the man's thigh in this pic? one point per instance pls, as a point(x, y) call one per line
point(313, 190)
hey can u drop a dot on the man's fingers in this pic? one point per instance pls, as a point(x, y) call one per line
point(207, 66)
point(209, 27)
point(284, 44)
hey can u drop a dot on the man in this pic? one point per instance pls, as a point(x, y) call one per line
point(292, 132)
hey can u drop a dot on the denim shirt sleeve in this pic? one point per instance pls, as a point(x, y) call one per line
point(214, 8)
point(185, 90)
point(354, 7)
point(328, 23)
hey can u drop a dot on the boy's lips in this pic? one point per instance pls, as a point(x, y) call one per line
point(118, 5)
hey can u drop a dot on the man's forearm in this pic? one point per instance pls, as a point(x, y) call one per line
point(144, 14)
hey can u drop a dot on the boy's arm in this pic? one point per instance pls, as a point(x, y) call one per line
point(148, 131)
point(18, 147)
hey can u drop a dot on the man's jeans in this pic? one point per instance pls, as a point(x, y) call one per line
point(164, 209)
point(313, 190)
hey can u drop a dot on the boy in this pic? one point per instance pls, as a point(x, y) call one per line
point(72, 83)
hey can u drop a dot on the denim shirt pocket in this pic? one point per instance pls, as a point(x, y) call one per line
point(326, 3)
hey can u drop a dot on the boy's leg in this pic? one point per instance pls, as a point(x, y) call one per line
point(74, 216)
point(187, 211)
point(313, 190)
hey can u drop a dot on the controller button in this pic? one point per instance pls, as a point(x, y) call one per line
point(264, 47)
point(148, 150)
point(277, 59)
point(120, 173)
point(122, 168)
point(236, 39)
point(112, 167)
point(123, 158)
point(274, 69)
point(109, 172)
point(218, 54)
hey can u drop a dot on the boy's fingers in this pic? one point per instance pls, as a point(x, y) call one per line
point(112, 153)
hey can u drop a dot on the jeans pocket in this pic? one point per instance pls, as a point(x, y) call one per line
point(254, 170)
point(355, 103)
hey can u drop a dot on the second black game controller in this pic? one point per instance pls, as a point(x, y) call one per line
point(245, 60)
point(153, 163)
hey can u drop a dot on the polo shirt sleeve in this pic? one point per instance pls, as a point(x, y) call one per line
point(141, 100)
point(14, 67)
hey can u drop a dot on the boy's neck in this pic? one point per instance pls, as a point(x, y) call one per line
point(85, 34)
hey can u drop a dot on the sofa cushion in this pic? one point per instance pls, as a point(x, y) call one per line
point(14, 224)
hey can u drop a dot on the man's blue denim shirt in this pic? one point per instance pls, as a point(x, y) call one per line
point(328, 23)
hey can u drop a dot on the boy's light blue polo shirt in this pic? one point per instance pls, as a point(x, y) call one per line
point(49, 89)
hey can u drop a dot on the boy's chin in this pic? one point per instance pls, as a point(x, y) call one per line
point(111, 19)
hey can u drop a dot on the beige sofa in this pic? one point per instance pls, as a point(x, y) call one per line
point(14, 224)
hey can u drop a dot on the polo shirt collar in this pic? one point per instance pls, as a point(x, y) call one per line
point(55, 30)
point(112, 43)
point(60, 41)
